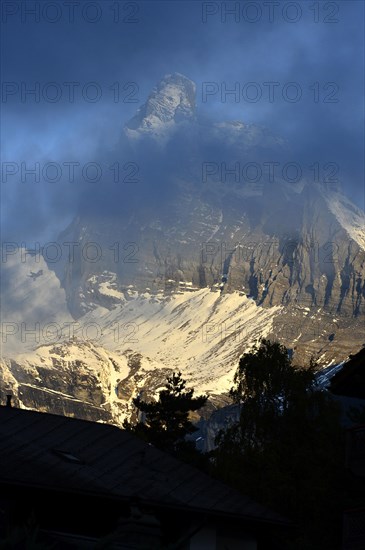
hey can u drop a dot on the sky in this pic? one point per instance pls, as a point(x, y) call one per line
point(297, 68)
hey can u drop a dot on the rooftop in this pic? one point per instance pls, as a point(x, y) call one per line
point(60, 453)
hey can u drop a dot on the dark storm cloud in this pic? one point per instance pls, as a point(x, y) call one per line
point(169, 37)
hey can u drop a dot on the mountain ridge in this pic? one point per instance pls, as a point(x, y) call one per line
point(244, 259)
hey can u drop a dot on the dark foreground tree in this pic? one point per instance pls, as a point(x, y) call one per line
point(166, 422)
point(287, 449)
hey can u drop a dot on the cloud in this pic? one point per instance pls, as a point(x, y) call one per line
point(126, 60)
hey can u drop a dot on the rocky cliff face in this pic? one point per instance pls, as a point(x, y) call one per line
point(81, 379)
point(309, 260)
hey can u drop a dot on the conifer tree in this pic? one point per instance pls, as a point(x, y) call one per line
point(166, 421)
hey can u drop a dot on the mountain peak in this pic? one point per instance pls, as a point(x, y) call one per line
point(170, 102)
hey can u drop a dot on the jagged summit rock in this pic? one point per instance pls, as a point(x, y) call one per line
point(171, 106)
point(172, 101)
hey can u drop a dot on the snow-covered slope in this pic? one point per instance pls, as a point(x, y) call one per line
point(72, 378)
point(93, 366)
point(351, 218)
point(202, 333)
